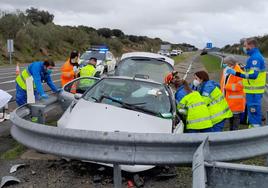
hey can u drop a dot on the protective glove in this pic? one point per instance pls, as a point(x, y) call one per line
point(230, 71)
point(183, 111)
point(44, 96)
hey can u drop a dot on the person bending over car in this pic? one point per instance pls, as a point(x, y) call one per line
point(190, 106)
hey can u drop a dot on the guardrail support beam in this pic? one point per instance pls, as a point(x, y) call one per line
point(117, 176)
point(198, 168)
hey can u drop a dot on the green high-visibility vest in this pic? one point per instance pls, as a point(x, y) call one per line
point(87, 71)
point(198, 116)
point(217, 106)
point(256, 86)
point(21, 79)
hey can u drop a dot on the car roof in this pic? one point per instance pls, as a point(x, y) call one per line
point(149, 55)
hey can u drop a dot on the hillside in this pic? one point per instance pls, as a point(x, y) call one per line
point(34, 29)
point(236, 48)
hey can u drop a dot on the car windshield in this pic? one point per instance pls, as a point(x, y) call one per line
point(99, 55)
point(147, 97)
point(155, 69)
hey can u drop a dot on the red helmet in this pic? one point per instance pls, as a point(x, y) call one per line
point(168, 78)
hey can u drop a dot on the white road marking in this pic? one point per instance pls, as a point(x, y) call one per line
point(12, 81)
point(11, 90)
point(16, 76)
point(14, 72)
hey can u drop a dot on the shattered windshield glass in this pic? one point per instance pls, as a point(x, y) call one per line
point(136, 95)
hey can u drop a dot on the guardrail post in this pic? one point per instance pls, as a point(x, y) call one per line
point(198, 168)
point(117, 176)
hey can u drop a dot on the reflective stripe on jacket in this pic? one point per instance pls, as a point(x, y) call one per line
point(232, 88)
point(214, 99)
point(255, 86)
point(21, 78)
point(255, 75)
point(87, 71)
point(198, 116)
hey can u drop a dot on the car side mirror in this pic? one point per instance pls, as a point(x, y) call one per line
point(78, 96)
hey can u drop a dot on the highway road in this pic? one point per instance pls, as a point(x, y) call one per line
point(8, 76)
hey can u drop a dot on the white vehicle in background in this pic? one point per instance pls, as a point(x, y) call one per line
point(153, 65)
point(106, 61)
point(164, 52)
point(174, 53)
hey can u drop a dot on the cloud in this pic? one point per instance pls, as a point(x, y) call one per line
point(191, 21)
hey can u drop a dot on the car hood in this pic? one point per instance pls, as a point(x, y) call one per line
point(87, 115)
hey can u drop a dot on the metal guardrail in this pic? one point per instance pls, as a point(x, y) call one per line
point(136, 148)
point(207, 173)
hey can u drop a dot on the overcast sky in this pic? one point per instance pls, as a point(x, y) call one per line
point(193, 21)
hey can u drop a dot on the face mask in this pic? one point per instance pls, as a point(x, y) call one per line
point(224, 65)
point(245, 50)
point(196, 83)
point(73, 61)
point(49, 71)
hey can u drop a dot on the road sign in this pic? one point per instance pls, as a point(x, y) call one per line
point(209, 45)
point(10, 49)
point(10, 46)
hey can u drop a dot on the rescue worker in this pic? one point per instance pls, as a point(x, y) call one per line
point(190, 105)
point(40, 72)
point(87, 71)
point(69, 69)
point(254, 79)
point(232, 89)
point(214, 99)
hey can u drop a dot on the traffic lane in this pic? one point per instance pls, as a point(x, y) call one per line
point(9, 84)
point(6, 73)
point(4, 70)
point(10, 77)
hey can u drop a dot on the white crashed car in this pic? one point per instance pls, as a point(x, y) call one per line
point(122, 104)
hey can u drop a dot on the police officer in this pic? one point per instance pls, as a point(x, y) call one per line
point(190, 105)
point(40, 72)
point(214, 99)
point(254, 79)
point(87, 71)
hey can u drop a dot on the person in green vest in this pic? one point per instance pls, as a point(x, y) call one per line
point(214, 99)
point(87, 71)
point(190, 106)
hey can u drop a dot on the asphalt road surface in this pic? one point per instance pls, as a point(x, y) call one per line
point(8, 76)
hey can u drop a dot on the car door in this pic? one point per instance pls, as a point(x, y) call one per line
point(78, 85)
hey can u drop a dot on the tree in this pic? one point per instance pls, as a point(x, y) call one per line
point(105, 32)
point(10, 24)
point(118, 33)
point(39, 16)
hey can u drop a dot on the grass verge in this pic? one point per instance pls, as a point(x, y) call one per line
point(13, 153)
point(182, 57)
point(211, 63)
